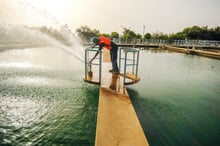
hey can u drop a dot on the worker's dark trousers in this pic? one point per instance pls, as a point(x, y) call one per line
point(114, 56)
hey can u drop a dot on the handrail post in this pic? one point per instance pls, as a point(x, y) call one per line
point(138, 53)
point(100, 66)
point(119, 59)
point(125, 66)
point(85, 64)
point(133, 62)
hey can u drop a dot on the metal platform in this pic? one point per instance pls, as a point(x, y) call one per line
point(128, 65)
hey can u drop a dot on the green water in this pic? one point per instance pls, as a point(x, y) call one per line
point(178, 98)
point(45, 102)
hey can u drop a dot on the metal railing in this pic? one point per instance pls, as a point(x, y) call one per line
point(128, 60)
point(131, 59)
point(185, 42)
point(89, 53)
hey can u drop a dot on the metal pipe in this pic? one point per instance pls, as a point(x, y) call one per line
point(125, 66)
point(120, 59)
point(100, 66)
point(86, 71)
point(137, 63)
point(133, 62)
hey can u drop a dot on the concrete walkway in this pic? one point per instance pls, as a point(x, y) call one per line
point(117, 122)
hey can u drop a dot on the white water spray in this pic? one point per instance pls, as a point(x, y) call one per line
point(16, 34)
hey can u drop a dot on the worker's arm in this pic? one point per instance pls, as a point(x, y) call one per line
point(93, 46)
point(100, 48)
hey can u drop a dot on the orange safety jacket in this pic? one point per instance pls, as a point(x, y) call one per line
point(106, 41)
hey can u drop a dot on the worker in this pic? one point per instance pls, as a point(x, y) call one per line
point(105, 42)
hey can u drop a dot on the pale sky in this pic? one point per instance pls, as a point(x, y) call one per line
point(168, 16)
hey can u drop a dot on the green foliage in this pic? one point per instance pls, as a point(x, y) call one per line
point(203, 33)
point(159, 35)
point(177, 36)
point(216, 33)
point(86, 32)
point(194, 32)
point(114, 35)
point(147, 36)
point(128, 34)
point(105, 35)
point(138, 36)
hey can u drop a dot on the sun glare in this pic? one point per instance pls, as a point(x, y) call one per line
point(58, 8)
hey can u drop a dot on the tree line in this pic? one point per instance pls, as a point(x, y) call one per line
point(193, 33)
point(64, 34)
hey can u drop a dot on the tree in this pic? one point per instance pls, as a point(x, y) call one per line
point(106, 35)
point(86, 32)
point(216, 33)
point(159, 35)
point(177, 36)
point(128, 35)
point(147, 36)
point(194, 32)
point(138, 36)
point(204, 33)
point(114, 35)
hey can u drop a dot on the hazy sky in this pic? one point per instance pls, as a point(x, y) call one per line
point(166, 16)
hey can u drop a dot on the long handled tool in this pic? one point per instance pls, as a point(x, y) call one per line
point(90, 65)
point(90, 70)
